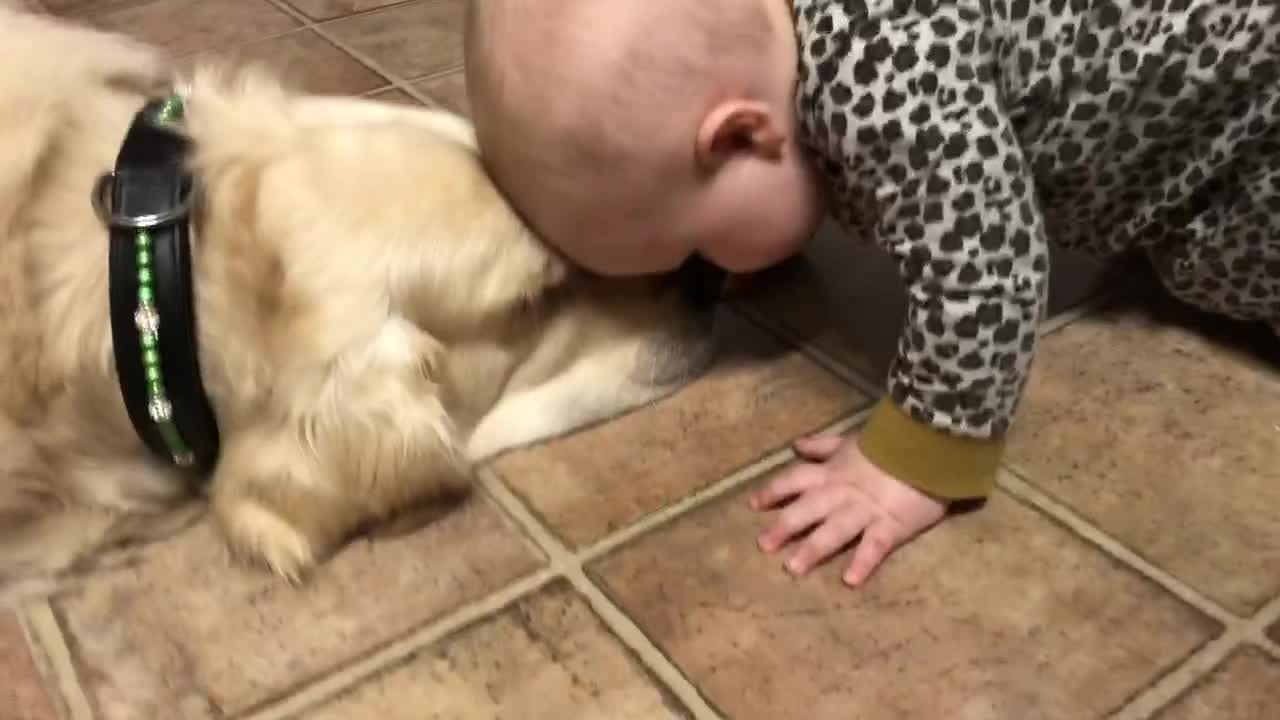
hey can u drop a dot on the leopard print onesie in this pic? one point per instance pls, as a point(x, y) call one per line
point(960, 136)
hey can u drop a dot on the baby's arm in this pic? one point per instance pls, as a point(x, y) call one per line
point(956, 206)
point(909, 107)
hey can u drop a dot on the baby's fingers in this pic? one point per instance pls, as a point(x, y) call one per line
point(839, 529)
point(810, 509)
point(786, 485)
point(872, 549)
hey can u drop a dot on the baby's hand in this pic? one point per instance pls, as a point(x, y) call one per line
point(839, 493)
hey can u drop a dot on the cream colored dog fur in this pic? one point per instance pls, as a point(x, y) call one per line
point(373, 318)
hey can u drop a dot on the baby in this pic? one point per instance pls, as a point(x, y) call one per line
point(959, 136)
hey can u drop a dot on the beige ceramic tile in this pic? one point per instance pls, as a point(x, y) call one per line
point(1165, 440)
point(993, 615)
point(759, 397)
point(305, 61)
point(188, 26)
point(329, 9)
point(1246, 687)
point(22, 692)
point(184, 631)
point(846, 297)
point(546, 658)
point(450, 90)
point(411, 40)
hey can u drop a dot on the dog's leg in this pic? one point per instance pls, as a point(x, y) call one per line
point(52, 522)
point(29, 545)
point(42, 532)
point(372, 439)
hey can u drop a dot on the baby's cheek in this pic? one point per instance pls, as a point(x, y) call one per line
point(750, 251)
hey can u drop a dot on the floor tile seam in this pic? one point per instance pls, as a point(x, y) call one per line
point(293, 12)
point(629, 633)
point(811, 351)
point(843, 370)
point(44, 635)
point(1267, 615)
point(393, 80)
point(1013, 482)
point(1179, 679)
point(182, 54)
point(296, 701)
point(726, 485)
point(1268, 645)
point(621, 626)
point(1081, 310)
point(403, 83)
point(1262, 621)
point(355, 14)
point(435, 74)
point(558, 555)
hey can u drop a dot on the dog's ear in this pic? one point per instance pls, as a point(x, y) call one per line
point(475, 260)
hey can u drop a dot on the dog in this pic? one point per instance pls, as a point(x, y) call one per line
point(370, 318)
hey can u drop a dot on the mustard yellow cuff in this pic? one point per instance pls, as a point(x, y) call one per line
point(946, 466)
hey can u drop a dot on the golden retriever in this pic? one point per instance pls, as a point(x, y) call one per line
point(372, 317)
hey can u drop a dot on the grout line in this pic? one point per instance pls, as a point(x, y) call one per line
point(44, 634)
point(293, 12)
point(394, 80)
point(220, 50)
point(854, 377)
point(558, 555)
point(353, 14)
point(1268, 615)
point(722, 487)
point(1016, 485)
point(436, 75)
point(1191, 669)
point(1202, 662)
point(1181, 678)
point(817, 355)
point(611, 615)
point(333, 684)
point(1054, 323)
point(631, 635)
point(571, 564)
point(1261, 621)
point(1186, 673)
point(1270, 646)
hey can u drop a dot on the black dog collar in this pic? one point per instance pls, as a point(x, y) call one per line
point(146, 203)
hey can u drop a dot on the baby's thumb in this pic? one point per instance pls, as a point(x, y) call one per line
point(818, 447)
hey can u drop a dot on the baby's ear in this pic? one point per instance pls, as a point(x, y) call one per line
point(738, 127)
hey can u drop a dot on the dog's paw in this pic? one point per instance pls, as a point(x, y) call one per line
point(260, 536)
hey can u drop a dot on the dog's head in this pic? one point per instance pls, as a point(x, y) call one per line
point(534, 348)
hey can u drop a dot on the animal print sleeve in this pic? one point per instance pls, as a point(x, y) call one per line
point(903, 109)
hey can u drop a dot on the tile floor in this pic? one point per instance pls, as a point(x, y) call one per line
point(1128, 566)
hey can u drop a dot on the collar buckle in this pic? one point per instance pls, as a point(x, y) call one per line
point(102, 206)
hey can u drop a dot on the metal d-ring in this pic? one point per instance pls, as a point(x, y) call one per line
point(102, 206)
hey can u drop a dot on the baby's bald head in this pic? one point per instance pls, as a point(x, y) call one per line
point(588, 113)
